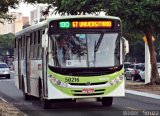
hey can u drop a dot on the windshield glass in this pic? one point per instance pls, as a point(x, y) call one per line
point(158, 65)
point(84, 50)
point(3, 66)
point(127, 65)
point(139, 66)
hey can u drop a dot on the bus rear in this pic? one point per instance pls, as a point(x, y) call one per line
point(85, 59)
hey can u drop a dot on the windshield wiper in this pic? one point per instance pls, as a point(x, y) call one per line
point(96, 46)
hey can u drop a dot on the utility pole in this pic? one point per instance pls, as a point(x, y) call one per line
point(147, 65)
point(147, 62)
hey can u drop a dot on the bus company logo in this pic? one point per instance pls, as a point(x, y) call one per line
point(88, 83)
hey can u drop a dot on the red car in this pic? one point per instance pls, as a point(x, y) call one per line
point(133, 71)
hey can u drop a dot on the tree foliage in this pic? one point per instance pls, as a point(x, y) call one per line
point(137, 53)
point(138, 16)
point(4, 8)
point(78, 6)
point(7, 43)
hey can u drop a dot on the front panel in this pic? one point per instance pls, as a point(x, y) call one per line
point(84, 58)
point(63, 86)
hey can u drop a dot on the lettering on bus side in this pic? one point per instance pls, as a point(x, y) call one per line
point(71, 79)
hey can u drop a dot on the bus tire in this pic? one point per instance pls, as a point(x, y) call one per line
point(107, 101)
point(25, 95)
point(46, 104)
point(8, 76)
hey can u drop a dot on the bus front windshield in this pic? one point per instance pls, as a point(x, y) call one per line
point(84, 50)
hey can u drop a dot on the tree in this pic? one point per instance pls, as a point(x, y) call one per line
point(137, 53)
point(140, 15)
point(7, 43)
point(4, 8)
point(73, 7)
point(137, 16)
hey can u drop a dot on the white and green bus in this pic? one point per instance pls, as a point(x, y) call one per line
point(71, 57)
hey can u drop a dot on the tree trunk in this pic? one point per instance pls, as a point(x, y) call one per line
point(154, 70)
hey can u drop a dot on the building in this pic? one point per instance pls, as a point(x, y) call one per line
point(14, 26)
point(18, 22)
point(6, 27)
point(25, 20)
point(35, 15)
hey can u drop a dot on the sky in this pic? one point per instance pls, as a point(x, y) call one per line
point(24, 9)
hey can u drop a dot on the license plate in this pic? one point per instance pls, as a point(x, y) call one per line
point(87, 90)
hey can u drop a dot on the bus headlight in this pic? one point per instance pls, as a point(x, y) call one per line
point(121, 77)
point(111, 83)
point(57, 82)
point(116, 80)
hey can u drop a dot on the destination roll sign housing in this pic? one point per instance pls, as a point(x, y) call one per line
point(90, 24)
point(84, 25)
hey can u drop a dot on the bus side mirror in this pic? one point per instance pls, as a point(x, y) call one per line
point(45, 39)
point(126, 46)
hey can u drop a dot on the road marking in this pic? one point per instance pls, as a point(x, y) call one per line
point(131, 108)
point(7, 80)
point(3, 99)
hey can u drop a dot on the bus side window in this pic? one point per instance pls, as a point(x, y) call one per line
point(15, 42)
point(21, 44)
point(39, 45)
point(35, 45)
point(23, 47)
point(16, 49)
point(31, 45)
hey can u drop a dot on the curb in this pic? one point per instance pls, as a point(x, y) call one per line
point(144, 94)
point(3, 99)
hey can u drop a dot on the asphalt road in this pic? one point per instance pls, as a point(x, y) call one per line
point(130, 104)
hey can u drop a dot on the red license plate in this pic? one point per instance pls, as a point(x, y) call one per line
point(87, 90)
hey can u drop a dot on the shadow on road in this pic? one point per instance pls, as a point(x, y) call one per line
point(71, 108)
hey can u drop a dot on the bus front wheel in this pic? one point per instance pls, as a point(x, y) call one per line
point(46, 104)
point(107, 101)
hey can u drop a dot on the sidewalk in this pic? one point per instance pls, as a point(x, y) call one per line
point(7, 109)
point(139, 88)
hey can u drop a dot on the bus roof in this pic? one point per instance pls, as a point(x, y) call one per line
point(46, 22)
point(81, 16)
point(32, 27)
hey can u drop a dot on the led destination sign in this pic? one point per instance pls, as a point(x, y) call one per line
point(85, 24)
